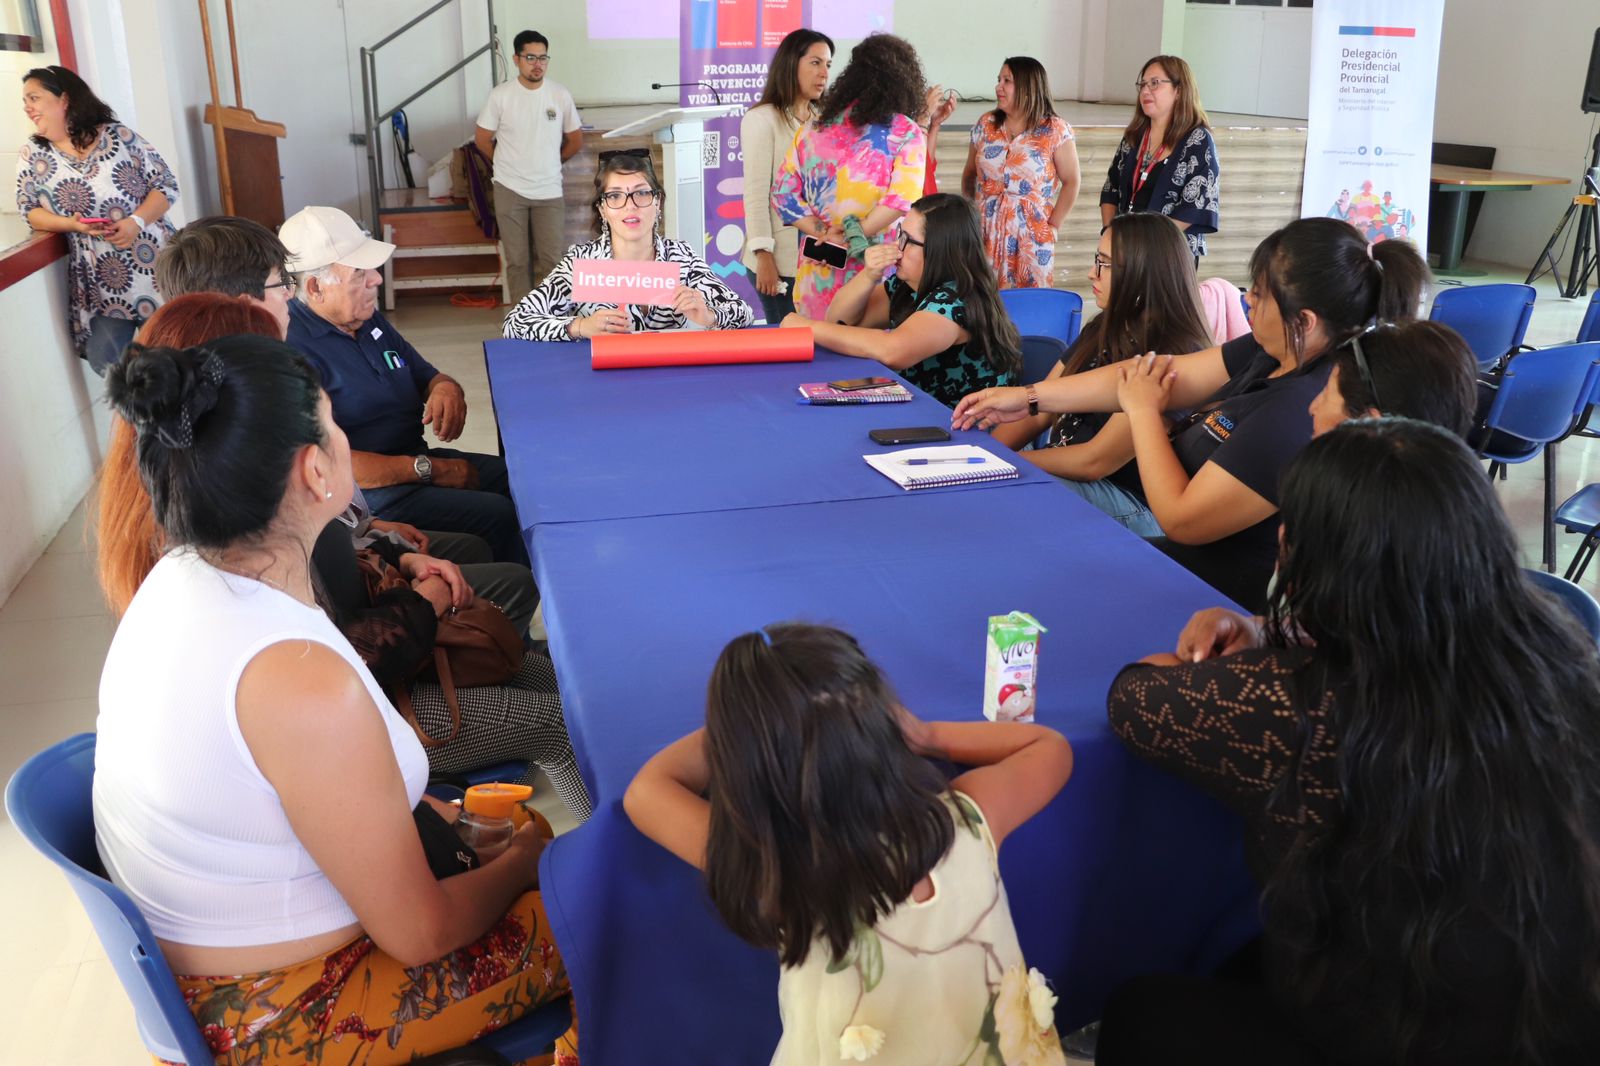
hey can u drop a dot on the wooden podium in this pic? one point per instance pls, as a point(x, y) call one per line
point(252, 186)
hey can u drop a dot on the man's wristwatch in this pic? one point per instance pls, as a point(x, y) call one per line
point(1033, 400)
point(424, 468)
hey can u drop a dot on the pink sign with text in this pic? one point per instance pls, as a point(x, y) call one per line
point(612, 281)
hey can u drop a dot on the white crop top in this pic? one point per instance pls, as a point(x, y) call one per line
point(185, 822)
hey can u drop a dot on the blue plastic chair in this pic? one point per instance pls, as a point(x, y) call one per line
point(1580, 513)
point(1045, 312)
point(1582, 605)
point(1542, 397)
point(1590, 330)
point(1493, 319)
point(1040, 356)
point(48, 800)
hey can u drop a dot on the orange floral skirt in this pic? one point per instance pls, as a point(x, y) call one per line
point(359, 1007)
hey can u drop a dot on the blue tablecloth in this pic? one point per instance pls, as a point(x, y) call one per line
point(669, 509)
point(1127, 872)
point(584, 444)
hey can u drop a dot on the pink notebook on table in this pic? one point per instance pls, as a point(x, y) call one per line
point(819, 392)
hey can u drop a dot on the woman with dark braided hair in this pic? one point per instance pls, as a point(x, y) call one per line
point(857, 167)
point(1413, 739)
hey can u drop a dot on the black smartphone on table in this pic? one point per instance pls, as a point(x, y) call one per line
point(857, 384)
point(909, 435)
point(825, 252)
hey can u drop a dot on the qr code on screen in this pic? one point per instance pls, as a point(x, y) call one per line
point(711, 150)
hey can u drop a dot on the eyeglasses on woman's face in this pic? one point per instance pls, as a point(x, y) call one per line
point(1101, 264)
point(1152, 83)
point(906, 238)
point(616, 198)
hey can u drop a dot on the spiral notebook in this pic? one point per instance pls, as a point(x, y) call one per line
point(819, 392)
point(931, 468)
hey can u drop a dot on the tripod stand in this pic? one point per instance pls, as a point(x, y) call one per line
point(1585, 246)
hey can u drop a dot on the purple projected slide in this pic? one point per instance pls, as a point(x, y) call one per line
point(611, 20)
point(849, 19)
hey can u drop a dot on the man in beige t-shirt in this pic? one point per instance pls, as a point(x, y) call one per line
point(528, 127)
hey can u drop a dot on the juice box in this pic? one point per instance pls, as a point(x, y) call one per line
point(1011, 667)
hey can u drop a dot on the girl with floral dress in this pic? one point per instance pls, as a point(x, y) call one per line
point(1022, 171)
point(863, 157)
point(826, 836)
point(82, 164)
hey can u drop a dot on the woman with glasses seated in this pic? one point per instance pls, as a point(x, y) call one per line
point(1143, 282)
point(627, 210)
point(938, 320)
point(1167, 161)
point(1211, 479)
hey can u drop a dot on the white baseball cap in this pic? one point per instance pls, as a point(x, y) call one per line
point(321, 236)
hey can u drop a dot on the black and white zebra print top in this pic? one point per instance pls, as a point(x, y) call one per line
point(544, 313)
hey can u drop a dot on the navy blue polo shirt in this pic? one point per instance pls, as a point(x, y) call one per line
point(375, 380)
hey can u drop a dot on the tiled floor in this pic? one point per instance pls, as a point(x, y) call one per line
point(60, 1003)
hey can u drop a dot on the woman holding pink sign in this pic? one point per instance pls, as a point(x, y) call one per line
point(627, 208)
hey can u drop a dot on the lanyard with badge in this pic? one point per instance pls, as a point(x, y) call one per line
point(1143, 164)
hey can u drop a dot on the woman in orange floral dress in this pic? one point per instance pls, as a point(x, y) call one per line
point(1023, 172)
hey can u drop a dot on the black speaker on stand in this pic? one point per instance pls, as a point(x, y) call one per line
point(1584, 209)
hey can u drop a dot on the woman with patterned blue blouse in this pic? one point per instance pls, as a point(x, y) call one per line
point(938, 320)
point(87, 175)
point(627, 209)
point(1167, 161)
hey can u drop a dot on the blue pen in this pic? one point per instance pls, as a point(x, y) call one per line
point(933, 462)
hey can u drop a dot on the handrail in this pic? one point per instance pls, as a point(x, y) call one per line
point(373, 121)
point(381, 119)
point(412, 23)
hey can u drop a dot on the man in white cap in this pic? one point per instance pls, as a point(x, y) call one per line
point(383, 391)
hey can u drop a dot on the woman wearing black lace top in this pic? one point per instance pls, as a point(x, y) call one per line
point(1413, 738)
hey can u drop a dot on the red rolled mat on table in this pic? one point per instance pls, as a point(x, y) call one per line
point(622, 351)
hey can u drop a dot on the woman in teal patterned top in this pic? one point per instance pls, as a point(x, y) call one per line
point(938, 320)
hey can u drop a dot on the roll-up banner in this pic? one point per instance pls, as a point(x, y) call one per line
point(1369, 139)
point(727, 45)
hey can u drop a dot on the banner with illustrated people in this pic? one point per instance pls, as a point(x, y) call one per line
point(1369, 140)
point(724, 47)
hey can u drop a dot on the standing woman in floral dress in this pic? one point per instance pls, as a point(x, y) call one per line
point(863, 157)
point(81, 164)
point(1022, 171)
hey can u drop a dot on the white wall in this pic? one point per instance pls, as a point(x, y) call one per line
point(1509, 82)
point(1250, 60)
point(1514, 83)
point(52, 427)
point(138, 55)
point(961, 45)
point(1134, 31)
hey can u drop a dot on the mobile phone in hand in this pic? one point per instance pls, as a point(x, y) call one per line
point(825, 252)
